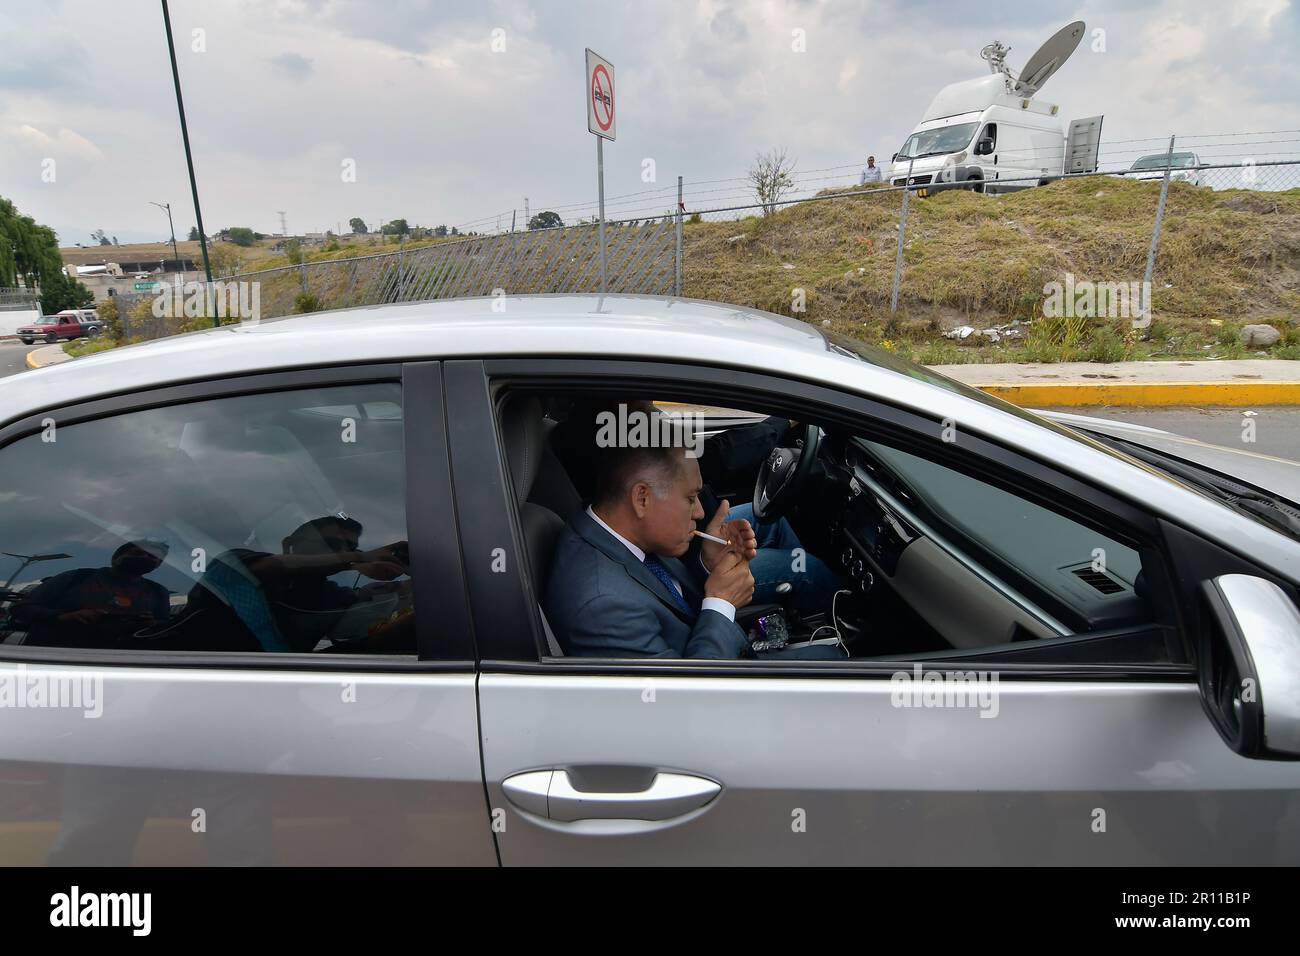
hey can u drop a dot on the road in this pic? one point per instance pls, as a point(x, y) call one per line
point(13, 356)
point(1277, 428)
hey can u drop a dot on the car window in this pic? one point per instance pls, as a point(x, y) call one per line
point(234, 524)
point(872, 552)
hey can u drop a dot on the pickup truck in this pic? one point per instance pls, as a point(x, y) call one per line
point(66, 325)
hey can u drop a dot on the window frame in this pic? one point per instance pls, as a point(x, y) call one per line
point(430, 519)
point(522, 648)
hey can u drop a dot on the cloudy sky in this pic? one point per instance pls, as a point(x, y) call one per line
point(445, 125)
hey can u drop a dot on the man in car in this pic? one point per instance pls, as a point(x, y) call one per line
point(617, 586)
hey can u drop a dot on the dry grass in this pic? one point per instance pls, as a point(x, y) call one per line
point(983, 260)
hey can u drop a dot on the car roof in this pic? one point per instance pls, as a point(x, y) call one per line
point(623, 325)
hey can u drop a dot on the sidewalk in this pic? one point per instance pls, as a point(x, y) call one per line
point(1229, 382)
point(49, 355)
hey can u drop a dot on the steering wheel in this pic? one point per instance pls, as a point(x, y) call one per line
point(784, 473)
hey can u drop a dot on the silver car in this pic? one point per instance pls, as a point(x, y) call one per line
point(271, 594)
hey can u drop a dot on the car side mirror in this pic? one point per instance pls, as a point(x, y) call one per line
point(984, 146)
point(894, 158)
point(1249, 665)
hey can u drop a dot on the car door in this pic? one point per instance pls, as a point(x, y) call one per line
point(197, 666)
point(1076, 758)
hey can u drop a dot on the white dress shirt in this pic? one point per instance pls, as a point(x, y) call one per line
point(725, 608)
point(870, 174)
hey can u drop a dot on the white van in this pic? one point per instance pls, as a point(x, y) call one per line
point(992, 131)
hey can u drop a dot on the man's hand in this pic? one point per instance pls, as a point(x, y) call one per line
point(730, 580)
point(381, 564)
point(743, 540)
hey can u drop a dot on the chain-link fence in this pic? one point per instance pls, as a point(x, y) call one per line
point(1196, 228)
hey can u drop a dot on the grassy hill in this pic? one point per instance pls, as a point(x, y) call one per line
point(1226, 258)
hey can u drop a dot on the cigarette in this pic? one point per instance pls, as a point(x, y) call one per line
point(709, 537)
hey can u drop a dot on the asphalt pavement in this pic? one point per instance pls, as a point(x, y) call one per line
point(1276, 430)
point(13, 356)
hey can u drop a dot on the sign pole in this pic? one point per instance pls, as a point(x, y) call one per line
point(600, 123)
point(600, 186)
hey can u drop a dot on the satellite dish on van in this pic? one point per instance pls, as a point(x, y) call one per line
point(1048, 59)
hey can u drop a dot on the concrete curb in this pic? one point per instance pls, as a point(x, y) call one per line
point(49, 355)
point(1237, 383)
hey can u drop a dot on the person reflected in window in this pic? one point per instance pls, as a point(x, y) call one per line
point(255, 600)
point(98, 607)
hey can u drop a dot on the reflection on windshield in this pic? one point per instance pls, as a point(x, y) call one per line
point(874, 355)
point(1157, 161)
point(933, 142)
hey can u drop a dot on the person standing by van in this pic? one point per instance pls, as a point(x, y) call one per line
point(871, 174)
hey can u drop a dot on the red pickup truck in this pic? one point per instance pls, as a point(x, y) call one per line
point(66, 325)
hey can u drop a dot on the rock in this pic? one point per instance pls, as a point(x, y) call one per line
point(1259, 336)
point(962, 332)
point(787, 265)
point(740, 238)
point(826, 323)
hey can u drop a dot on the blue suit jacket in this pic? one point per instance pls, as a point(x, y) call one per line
point(602, 602)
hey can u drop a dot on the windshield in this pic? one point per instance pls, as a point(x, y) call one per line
point(935, 142)
point(1157, 161)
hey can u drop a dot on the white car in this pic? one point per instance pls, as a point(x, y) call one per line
point(1184, 167)
point(296, 576)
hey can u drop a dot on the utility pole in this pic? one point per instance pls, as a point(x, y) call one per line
point(526, 216)
point(284, 224)
point(189, 158)
point(168, 207)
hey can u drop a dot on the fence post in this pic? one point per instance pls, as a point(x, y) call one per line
point(1155, 236)
point(677, 285)
point(902, 231)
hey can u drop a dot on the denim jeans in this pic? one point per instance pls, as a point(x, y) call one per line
point(782, 558)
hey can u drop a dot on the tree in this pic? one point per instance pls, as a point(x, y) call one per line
point(397, 227)
point(439, 231)
point(242, 235)
point(358, 226)
point(194, 234)
point(99, 237)
point(224, 259)
point(772, 177)
point(29, 253)
point(546, 220)
point(60, 292)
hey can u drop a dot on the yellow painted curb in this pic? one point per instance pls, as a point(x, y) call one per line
point(1149, 393)
point(28, 359)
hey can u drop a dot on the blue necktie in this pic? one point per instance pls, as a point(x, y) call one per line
point(660, 570)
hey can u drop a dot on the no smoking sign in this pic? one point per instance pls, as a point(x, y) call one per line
point(600, 96)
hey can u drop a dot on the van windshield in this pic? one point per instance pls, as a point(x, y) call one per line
point(1157, 161)
point(936, 142)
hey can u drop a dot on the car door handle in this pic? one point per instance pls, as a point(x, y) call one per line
point(551, 794)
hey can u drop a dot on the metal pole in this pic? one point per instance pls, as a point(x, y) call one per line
point(189, 158)
point(600, 179)
point(902, 231)
point(678, 283)
point(1155, 234)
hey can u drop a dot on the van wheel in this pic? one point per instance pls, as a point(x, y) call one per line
point(51, 336)
point(979, 184)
